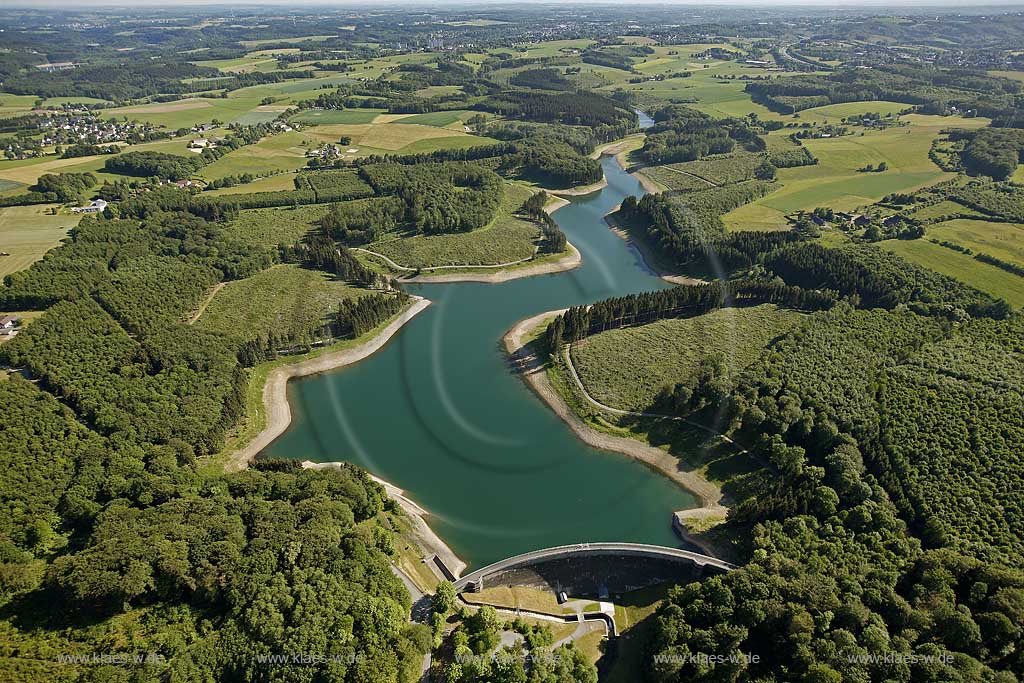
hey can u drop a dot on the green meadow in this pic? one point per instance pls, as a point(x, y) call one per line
point(987, 278)
point(835, 181)
point(627, 367)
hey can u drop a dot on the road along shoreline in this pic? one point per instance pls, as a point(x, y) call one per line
point(275, 395)
point(534, 373)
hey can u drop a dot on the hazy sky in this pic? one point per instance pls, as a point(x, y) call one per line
point(442, 4)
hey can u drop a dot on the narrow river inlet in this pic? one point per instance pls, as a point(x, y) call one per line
point(440, 413)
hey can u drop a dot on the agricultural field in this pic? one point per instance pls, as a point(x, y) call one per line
point(1005, 241)
point(987, 278)
point(271, 227)
point(274, 183)
point(326, 117)
point(835, 113)
point(273, 154)
point(506, 239)
point(389, 138)
point(12, 105)
point(285, 299)
point(189, 112)
point(439, 119)
point(835, 181)
point(296, 41)
point(28, 232)
point(627, 367)
point(944, 208)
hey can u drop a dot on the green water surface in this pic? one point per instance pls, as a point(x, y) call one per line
point(440, 413)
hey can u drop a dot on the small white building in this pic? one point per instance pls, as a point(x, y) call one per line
point(8, 326)
point(95, 206)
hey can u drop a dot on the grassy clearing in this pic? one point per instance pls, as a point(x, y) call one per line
point(437, 90)
point(1003, 240)
point(253, 62)
point(835, 113)
point(329, 117)
point(276, 41)
point(945, 208)
point(513, 597)
point(270, 227)
point(285, 299)
point(990, 279)
point(439, 119)
point(626, 368)
point(187, 113)
point(12, 105)
point(28, 232)
point(407, 138)
point(272, 154)
point(281, 181)
point(506, 239)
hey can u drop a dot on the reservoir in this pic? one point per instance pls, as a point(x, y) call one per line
point(440, 413)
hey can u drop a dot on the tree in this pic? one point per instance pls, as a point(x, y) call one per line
point(444, 598)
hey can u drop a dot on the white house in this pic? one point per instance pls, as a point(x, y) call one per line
point(96, 206)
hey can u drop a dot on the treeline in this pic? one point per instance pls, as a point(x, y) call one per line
point(354, 318)
point(363, 221)
point(877, 278)
point(110, 526)
point(164, 81)
point(791, 157)
point(99, 248)
point(553, 240)
point(129, 80)
point(322, 253)
point(64, 187)
point(683, 134)
point(1008, 266)
point(154, 164)
point(934, 90)
point(176, 167)
point(173, 383)
point(574, 109)
point(84, 150)
point(877, 434)
point(320, 187)
point(615, 56)
point(687, 227)
point(636, 309)
point(541, 79)
point(50, 187)
point(995, 152)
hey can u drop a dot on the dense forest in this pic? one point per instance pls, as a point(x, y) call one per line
point(859, 422)
point(680, 133)
point(107, 515)
point(688, 229)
